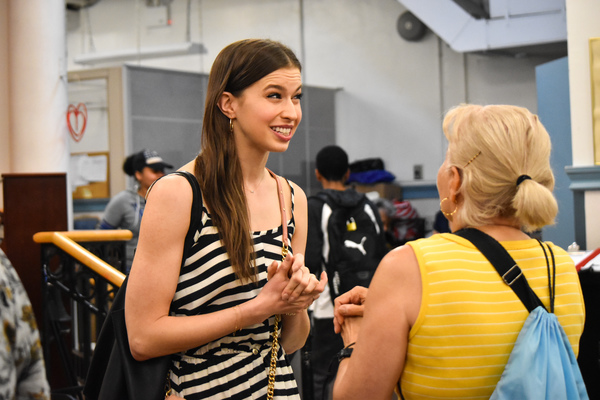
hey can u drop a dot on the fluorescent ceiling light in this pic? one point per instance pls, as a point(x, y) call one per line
point(172, 50)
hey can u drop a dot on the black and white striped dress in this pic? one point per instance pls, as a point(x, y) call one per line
point(234, 366)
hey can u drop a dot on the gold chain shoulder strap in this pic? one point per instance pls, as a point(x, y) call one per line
point(284, 252)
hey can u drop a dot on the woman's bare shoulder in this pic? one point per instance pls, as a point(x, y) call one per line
point(398, 280)
point(399, 261)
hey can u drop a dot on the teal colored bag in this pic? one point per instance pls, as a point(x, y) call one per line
point(542, 364)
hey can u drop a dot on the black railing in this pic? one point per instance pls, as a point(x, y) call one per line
point(79, 281)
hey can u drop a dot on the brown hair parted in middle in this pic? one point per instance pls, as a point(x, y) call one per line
point(218, 169)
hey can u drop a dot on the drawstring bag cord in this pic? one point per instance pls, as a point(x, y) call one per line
point(551, 276)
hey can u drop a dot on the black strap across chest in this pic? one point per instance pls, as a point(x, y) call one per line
point(505, 265)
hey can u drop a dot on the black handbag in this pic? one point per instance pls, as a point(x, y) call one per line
point(114, 373)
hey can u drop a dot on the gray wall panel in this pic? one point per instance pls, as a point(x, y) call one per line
point(165, 93)
point(176, 142)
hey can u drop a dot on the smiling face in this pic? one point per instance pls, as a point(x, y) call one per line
point(267, 113)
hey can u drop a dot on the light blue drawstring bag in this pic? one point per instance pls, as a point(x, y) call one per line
point(542, 364)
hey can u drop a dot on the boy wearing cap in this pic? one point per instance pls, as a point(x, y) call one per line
point(124, 211)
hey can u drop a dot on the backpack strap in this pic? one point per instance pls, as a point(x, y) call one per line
point(323, 198)
point(503, 263)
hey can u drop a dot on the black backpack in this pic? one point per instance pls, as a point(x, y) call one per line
point(356, 244)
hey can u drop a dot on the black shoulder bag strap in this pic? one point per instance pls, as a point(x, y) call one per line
point(196, 216)
point(196, 212)
point(505, 265)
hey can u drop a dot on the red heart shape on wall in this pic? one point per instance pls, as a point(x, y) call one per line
point(77, 120)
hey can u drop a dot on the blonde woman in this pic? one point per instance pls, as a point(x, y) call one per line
point(439, 322)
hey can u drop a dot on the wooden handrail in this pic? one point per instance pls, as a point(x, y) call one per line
point(66, 242)
point(91, 235)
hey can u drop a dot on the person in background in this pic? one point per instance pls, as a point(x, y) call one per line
point(332, 172)
point(22, 369)
point(217, 301)
point(438, 320)
point(387, 213)
point(125, 210)
point(440, 223)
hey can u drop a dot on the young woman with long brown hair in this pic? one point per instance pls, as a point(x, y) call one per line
point(217, 314)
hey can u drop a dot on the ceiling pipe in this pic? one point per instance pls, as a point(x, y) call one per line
point(510, 24)
point(76, 5)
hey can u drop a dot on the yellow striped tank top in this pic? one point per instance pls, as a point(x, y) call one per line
point(470, 319)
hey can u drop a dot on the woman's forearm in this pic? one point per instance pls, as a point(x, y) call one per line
point(339, 385)
point(165, 335)
point(295, 331)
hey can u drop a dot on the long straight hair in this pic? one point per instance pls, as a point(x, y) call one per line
point(218, 168)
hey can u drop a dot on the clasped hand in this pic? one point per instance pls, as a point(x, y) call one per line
point(348, 313)
point(291, 288)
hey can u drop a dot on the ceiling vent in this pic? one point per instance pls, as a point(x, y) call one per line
point(410, 27)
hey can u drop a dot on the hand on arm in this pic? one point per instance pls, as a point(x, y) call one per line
point(349, 304)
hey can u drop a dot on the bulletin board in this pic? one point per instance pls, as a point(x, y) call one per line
point(90, 175)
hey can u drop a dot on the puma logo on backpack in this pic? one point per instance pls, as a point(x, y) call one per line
point(359, 246)
point(353, 243)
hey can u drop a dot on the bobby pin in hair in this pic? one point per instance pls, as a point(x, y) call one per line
point(471, 160)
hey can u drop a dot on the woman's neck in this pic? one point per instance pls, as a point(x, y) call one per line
point(252, 161)
point(503, 232)
point(253, 167)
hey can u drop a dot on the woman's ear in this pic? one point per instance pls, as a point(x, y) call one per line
point(226, 104)
point(455, 183)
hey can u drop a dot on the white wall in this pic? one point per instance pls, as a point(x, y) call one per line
point(393, 92)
